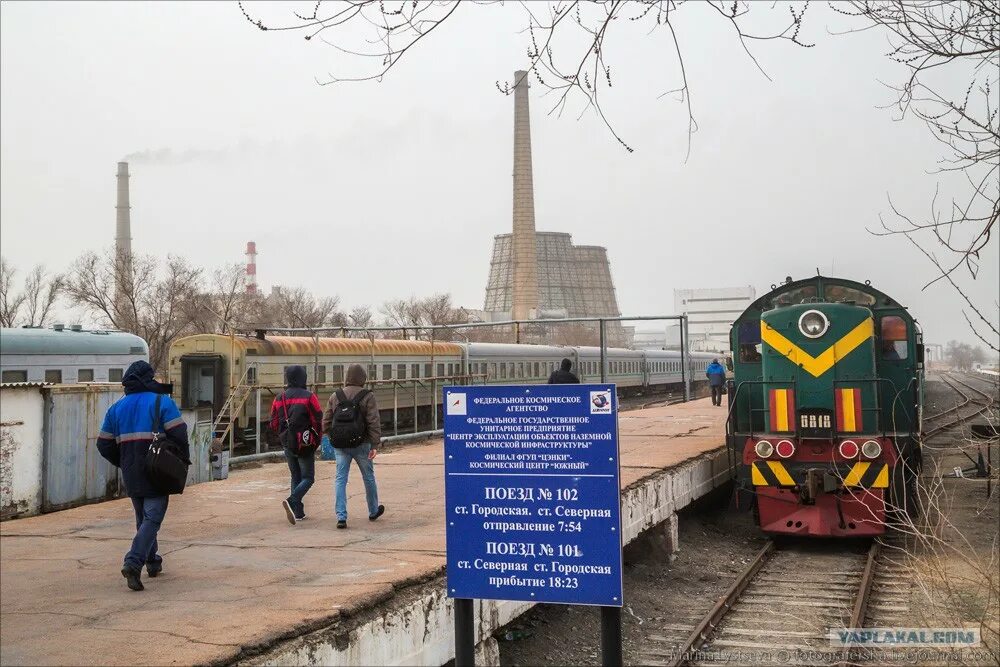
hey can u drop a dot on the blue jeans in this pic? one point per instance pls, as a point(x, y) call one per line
point(303, 471)
point(149, 513)
point(344, 458)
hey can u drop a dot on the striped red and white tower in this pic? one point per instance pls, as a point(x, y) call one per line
point(251, 267)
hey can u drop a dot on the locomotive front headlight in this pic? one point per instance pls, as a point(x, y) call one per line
point(871, 449)
point(764, 449)
point(813, 324)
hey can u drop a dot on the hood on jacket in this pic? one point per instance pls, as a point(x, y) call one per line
point(566, 365)
point(356, 376)
point(295, 376)
point(139, 377)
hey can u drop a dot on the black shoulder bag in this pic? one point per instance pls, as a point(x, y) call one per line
point(166, 467)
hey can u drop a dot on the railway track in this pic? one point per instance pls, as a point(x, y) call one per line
point(959, 413)
point(783, 607)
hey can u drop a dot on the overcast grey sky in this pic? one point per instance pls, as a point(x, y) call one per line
point(373, 191)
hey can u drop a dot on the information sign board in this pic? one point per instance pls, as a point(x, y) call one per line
point(532, 493)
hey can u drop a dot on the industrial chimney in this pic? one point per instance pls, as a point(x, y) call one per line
point(251, 267)
point(525, 278)
point(123, 227)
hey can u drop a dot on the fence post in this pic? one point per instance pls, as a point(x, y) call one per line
point(258, 420)
point(604, 353)
point(685, 358)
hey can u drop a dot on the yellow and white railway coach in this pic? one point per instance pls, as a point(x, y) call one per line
point(224, 372)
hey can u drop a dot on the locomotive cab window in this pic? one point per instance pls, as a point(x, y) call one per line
point(894, 339)
point(749, 340)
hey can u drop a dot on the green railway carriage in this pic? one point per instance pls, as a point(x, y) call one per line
point(825, 407)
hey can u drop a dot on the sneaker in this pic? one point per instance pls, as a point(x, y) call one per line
point(378, 513)
point(341, 523)
point(153, 569)
point(132, 578)
point(288, 511)
point(301, 518)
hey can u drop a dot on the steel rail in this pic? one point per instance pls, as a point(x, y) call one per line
point(704, 628)
point(860, 610)
point(951, 382)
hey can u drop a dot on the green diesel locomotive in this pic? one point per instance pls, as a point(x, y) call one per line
point(825, 408)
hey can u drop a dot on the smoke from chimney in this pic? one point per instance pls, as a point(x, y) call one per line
point(524, 249)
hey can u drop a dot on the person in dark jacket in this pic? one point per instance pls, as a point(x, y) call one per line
point(564, 375)
point(124, 441)
point(364, 453)
point(716, 375)
point(296, 416)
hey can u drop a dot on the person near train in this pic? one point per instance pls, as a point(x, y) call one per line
point(564, 375)
point(716, 374)
point(352, 422)
point(126, 434)
point(296, 416)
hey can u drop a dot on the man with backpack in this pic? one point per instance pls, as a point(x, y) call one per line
point(353, 424)
point(295, 417)
point(131, 425)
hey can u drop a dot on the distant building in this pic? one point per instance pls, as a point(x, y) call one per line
point(711, 312)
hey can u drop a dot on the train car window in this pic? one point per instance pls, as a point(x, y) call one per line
point(440, 372)
point(371, 372)
point(414, 371)
point(85, 375)
point(54, 377)
point(115, 374)
point(493, 370)
point(320, 373)
point(749, 342)
point(503, 371)
point(841, 294)
point(386, 372)
point(800, 295)
point(14, 376)
point(338, 373)
point(400, 371)
point(894, 343)
point(538, 370)
point(428, 370)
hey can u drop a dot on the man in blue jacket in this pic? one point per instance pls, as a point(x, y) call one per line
point(124, 441)
point(716, 375)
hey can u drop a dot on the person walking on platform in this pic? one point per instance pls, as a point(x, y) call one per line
point(352, 421)
point(564, 375)
point(716, 375)
point(128, 430)
point(296, 416)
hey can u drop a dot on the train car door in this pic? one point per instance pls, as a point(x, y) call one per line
point(201, 377)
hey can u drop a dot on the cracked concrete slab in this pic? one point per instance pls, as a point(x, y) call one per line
point(237, 577)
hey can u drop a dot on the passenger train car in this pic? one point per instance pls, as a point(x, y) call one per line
point(405, 374)
point(826, 408)
point(65, 356)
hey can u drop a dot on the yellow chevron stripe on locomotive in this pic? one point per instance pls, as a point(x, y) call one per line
point(864, 474)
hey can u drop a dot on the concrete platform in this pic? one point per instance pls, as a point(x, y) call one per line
point(241, 584)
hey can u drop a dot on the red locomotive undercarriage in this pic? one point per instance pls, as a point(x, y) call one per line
point(816, 491)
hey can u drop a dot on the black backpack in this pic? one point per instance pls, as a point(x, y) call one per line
point(298, 438)
point(166, 468)
point(348, 427)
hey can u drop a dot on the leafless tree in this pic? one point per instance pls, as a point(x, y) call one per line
point(158, 303)
point(361, 316)
point(567, 55)
point(33, 304)
point(227, 305)
point(413, 314)
point(296, 307)
point(939, 42)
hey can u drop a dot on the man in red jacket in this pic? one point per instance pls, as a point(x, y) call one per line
point(296, 416)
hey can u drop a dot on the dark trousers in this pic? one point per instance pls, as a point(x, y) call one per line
point(717, 394)
point(149, 513)
point(303, 472)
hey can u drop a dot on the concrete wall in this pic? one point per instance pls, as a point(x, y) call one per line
point(22, 412)
point(48, 453)
point(416, 626)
